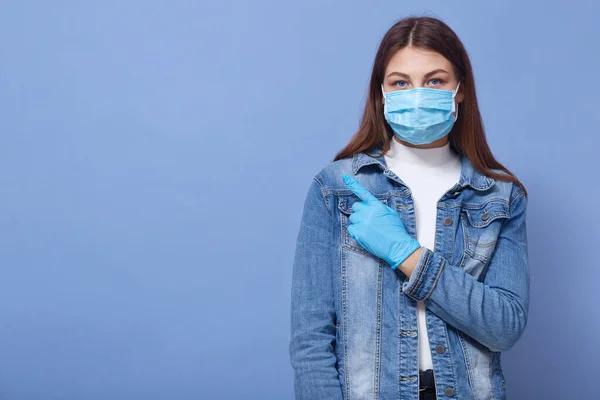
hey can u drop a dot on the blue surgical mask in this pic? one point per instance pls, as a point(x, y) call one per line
point(420, 115)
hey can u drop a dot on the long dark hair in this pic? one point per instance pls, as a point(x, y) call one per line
point(467, 135)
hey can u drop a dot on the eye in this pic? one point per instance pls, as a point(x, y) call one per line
point(400, 84)
point(436, 80)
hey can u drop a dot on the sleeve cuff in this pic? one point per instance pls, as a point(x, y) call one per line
point(424, 277)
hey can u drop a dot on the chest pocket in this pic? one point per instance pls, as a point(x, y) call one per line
point(481, 225)
point(345, 206)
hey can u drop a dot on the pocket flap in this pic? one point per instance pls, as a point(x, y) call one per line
point(345, 203)
point(488, 212)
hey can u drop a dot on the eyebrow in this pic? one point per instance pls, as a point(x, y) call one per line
point(403, 75)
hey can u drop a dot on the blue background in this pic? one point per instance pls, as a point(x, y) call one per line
point(154, 158)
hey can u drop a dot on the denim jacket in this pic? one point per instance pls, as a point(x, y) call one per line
point(353, 319)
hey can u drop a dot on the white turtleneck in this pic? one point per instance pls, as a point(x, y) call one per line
point(428, 173)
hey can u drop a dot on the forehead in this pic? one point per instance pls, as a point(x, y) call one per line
point(413, 61)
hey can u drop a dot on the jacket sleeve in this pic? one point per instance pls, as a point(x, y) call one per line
point(312, 329)
point(493, 311)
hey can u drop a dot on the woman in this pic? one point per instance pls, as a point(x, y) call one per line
point(411, 273)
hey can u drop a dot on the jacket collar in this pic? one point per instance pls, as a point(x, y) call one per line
point(469, 174)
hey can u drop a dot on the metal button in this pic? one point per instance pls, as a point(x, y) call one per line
point(440, 348)
point(447, 221)
point(485, 215)
point(449, 392)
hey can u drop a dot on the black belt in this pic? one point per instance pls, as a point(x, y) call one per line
point(426, 380)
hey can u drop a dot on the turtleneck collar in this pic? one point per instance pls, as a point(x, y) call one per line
point(401, 154)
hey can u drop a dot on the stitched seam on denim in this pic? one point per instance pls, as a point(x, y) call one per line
point(479, 206)
point(519, 192)
point(425, 268)
point(436, 278)
point(389, 193)
point(467, 239)
point(488, 221)
point(515, 199)
point(467, 359)
point(347, 374)
point(468, 208)
point(384, 198)
point(472, 253)
point(323, 193)
point(421, 273)
point(377, 371)
point(483, 245)
point(450, 351)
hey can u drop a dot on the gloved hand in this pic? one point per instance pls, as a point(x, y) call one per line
point(378, 228)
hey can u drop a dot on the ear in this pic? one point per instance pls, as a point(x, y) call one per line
point(460, 96)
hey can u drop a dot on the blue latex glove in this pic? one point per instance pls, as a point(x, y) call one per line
point(378, 228)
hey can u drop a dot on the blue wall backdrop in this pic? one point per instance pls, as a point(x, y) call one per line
point(155, 155)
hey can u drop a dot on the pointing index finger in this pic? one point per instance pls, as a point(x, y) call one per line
point(359, 189)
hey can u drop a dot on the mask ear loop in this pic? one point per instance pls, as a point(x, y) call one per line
point(453, 103)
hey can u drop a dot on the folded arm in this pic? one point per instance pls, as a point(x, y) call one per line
point(493, 311)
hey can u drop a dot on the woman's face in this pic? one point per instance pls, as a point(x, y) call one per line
point(410, 68)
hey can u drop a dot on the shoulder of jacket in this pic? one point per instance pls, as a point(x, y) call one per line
point(330, 176)
point(514, 189)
